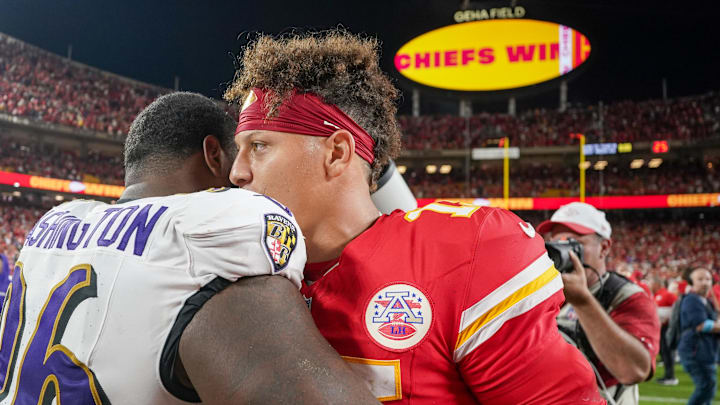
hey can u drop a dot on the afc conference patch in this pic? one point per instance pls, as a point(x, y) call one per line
point(398, 316)
point(280, 239)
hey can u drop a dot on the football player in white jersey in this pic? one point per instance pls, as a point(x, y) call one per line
point(150, 301)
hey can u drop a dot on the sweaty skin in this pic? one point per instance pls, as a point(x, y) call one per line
point(296, 366)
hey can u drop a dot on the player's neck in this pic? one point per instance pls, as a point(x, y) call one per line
point(150, 188)
point(189, 177)
point(342, 223)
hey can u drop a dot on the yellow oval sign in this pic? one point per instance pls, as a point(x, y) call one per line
point(492, 55)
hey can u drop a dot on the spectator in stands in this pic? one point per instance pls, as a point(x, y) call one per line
point(715, 291)
point(612, 320)
point(637, 277)
point(664, 300)
point(698, 347)
point(5, 277)
point(695, 117)
point(48, 160)
point(42, 86)
point(39, 85)
point(15, 221)
point(559, 180)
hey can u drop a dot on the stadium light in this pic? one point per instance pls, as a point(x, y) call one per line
point(402, 169)
point(625, 147)
point(445, 169)
point(660, 147)
point(637, 163)
point(16, 184)
point(655, 163)
point(600, 165)
point(584, 165)
point(431, 169)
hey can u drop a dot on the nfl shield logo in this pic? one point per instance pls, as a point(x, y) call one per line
point(398, 316)
point(280, 239)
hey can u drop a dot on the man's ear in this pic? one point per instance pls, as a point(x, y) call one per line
point(213, 154)
point(340, 150)
point(605, 248)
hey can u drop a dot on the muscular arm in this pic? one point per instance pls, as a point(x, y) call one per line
point(255, 343)
point(623, 354)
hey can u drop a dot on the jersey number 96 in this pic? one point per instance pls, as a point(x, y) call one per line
point(47, 370)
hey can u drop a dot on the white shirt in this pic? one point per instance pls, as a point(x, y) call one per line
point(134, 265)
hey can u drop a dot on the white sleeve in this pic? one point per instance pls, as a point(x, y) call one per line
point(245, 234)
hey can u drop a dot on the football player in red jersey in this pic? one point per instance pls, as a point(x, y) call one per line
point(448, 303)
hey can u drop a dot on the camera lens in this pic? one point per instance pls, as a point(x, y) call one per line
point(555, 256)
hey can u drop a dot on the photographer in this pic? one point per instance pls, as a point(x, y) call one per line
point(611, 320)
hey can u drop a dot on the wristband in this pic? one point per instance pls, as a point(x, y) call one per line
point(708, 325)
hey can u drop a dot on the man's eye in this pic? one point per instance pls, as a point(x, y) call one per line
point(257, 146)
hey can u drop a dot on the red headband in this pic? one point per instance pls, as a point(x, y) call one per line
point(305, 114)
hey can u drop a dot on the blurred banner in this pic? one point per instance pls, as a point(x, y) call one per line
point(63, 186)
point(604, 203)
point(518, 204)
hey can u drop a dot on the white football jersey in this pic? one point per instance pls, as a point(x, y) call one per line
point(101, 293)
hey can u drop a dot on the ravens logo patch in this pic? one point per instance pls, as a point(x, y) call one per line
point(280, 239)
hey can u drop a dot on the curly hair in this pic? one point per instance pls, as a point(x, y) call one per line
point(340, 67)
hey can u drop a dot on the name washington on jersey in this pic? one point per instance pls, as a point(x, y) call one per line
point(61, 230)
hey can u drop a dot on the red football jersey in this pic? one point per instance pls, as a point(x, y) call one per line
point(451, 304)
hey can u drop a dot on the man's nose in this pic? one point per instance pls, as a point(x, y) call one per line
point(240, 174)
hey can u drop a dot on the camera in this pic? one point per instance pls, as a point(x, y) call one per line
point(559, 252)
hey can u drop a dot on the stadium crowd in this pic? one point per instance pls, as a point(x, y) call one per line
point(47, 160)
point(43, 86)
point(528, 180)
point(664, 247)
point(696, 117)
point(546, 180)
point(16, 219)
point(646, 245)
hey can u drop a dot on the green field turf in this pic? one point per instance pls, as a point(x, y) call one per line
point(652, 393)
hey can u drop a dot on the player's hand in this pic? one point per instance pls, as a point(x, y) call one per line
point(575, 283)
